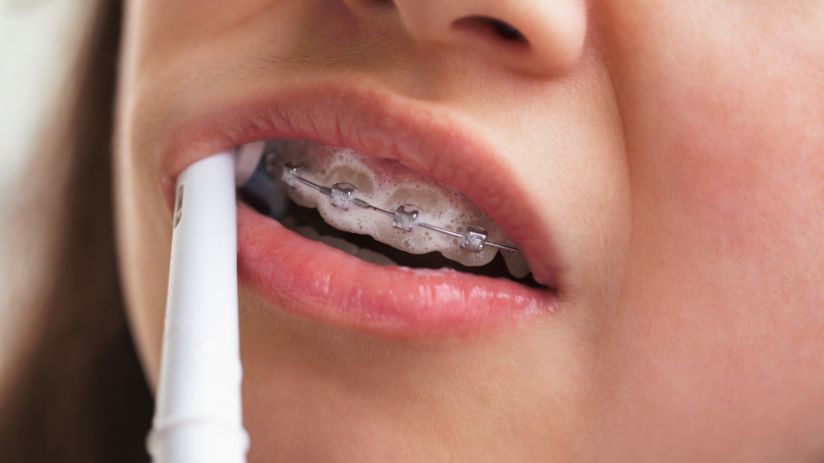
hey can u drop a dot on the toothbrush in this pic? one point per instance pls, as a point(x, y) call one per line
point(198, 415)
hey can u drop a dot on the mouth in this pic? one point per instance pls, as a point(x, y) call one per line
point(369, 273)
point(375, 209)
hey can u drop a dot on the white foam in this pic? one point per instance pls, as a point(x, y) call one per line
point(387, 184)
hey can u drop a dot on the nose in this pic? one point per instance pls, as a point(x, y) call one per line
point(531, 36)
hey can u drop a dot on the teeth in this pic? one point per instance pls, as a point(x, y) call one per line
point(516, 264)
point(387, 184)
point(340, 243)
point(345, 246)
point(307, 232)
point(375, 257)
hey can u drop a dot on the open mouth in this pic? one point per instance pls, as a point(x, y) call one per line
point(486, 256)
point(379, 211)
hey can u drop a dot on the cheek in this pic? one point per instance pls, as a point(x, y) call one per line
point(720, 172)
point(723, 116)
point(725, 154)
point(721, 308)
point(736, 165)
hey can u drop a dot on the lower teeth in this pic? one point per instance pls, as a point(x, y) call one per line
point(308, 223)
point(345, 246)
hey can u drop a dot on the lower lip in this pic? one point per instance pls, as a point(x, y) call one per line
point(323, 283)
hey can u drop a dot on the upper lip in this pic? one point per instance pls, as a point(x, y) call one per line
point(374, 123)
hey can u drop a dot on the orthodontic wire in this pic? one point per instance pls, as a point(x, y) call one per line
point(404, 218)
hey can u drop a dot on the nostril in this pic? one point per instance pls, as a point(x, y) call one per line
point(490, 26)
point(376, 4)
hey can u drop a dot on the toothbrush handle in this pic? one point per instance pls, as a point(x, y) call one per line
point(198, 414)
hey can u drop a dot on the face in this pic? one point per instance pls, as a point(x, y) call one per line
point(658, 163)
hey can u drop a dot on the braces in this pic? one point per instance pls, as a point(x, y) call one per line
point(344, 195)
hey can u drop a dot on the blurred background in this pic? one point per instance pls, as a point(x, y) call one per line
point(40, 42)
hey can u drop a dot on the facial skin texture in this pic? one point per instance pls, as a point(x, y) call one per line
point(675, 150)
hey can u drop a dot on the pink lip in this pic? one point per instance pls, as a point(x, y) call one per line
point(326, 284)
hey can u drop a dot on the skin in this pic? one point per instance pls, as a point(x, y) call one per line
point(675, 152)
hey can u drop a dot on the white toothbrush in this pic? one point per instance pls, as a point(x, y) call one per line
point(198, 415)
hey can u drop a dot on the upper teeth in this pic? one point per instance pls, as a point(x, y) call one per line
point(431, 217)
